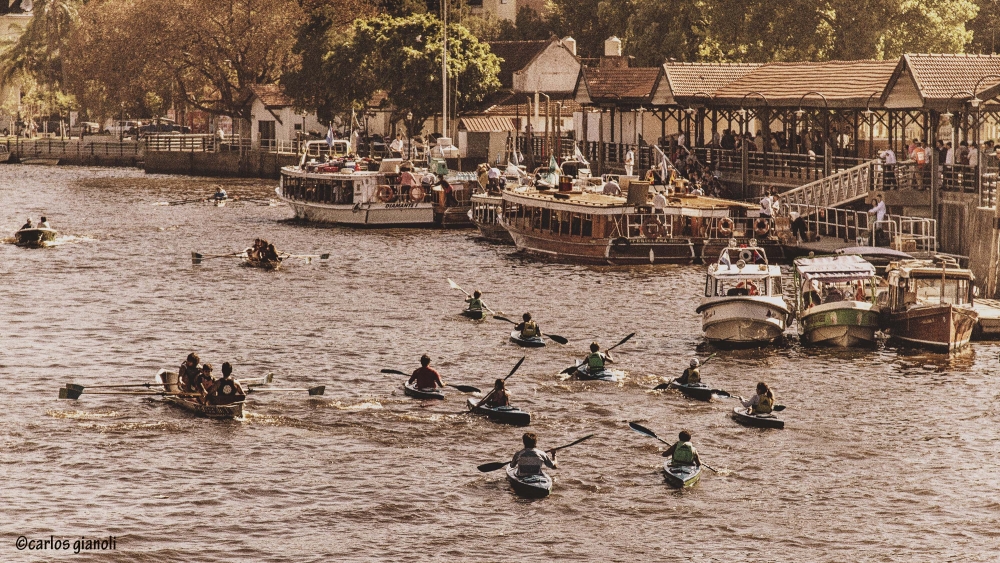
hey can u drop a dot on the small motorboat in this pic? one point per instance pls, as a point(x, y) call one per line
point(532, 486)
point(504, 415)
point(423, 393)
point(681, 476)
point(531, 342)
point(474, 314)
point(836, 300)
point(742, 415)
point(583, 372)
point(35, 237)
point(930, 304)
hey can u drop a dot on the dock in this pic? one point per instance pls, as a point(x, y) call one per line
point(988, 327)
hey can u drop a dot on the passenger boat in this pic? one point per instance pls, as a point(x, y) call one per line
point(930, 304)
point(530, 342)
point(426, 393)
point(504, 415)
point(742, 415)
point(743, 303)
point(681, 476)
point(170, 385)
point(835, 300)
point(35, 237)
point(454, 214)
point(483, 212)
point(532, 486)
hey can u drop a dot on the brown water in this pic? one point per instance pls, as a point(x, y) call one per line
point(887, 455)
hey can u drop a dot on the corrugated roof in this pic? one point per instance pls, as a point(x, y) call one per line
point(271, 95)
point(843, 83)
point(688, 79)
point(517, 104)
point(486, 124)
point(617, 85)
point(515, 55)
point(940, 76)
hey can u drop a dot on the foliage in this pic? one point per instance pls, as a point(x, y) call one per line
point(985, 28)
point(590, 22)
point(39, 51)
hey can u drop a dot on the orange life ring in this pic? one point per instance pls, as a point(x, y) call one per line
point(417, 194)
point(726, 226)
point(651, 228)
point(761, 227)
point(385, 194)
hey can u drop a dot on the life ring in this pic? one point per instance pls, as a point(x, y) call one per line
point(745, 255)
point(651, 228)
point(385, 194)
point(417, 194)
point(621, 242)
point(726, 226)
point(761, 227)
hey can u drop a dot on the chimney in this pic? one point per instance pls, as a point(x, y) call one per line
point(570, 44)
point(613, 47)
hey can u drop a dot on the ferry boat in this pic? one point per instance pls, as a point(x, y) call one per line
point(930, 304)
point(743, 302)
point(835, 300)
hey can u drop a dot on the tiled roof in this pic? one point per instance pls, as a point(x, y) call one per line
point(517, 104)
point(271, 95)
point(486, 124)
point(515, 55)
point(619, 85)
point(688, 79)
point(939, 77)
point(843, 83)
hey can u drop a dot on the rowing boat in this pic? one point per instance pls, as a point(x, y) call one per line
point(526, 342)
point(504, 415)
point(743, 416)
point(583, 372)
point(424, 393)
point(697, 391)
point(233, 410)
point(35, 237)
point(681, 476)
point(475, 314)
point(532, 486)
point(261, 263)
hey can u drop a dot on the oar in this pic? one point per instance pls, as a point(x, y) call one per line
point(647, 432)
point(259, 380)
point(306, 256)
point(178, 202)
point(197, 257)
point(462, 388)
point(490, 394)
point(554, 337)
point(778, 408)
point(73, 394)
point(455, 286)
point(487, 467)
point(318, 390)
point(718, 392)
point(81, 388)
point(571, 369)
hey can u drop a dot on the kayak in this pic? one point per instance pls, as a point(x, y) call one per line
point(698, 391)
point(532, 342)
point(504, 415)
point(741, 415)
point(425, 393)
point(474, 314)
point(681, 476)
point(532, 486)
point(583, 372)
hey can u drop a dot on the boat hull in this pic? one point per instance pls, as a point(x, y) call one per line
point(456, 217)
point(363, 214)
point(534, 342)
point(504, 415)
point(34, 237)
point(474, 315)
point(583, 372)
point(940, 327)
point(847, 324)
point(742, 416)
point(534, 486)
point(262, 264)
point(231, 411)
point(617, 251)
point(494, 232)
point(411, 391)
point(743, 320)
point(681, 476)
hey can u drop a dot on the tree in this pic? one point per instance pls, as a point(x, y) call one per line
point(590, 22)
point(984, 27)
point(39, 51)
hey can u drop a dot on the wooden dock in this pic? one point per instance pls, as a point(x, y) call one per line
point(988, 327)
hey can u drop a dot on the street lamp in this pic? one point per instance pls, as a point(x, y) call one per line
point(871, 124)
point(743, 112)
point(409, 135)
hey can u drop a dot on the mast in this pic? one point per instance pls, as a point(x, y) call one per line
point(444, 67)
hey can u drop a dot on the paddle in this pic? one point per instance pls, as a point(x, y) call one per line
point(73, 394)
point(554, 337)
point(571, 369)
point(307, 257)
point(318, 390)
point(777, 408)
point(455, 286)
point(81, 388)
point(718, 392)
point(490, 394)
point(197, 257)
point(259, 380)
point(647, 432)
point(462, 388)
point(493, 466)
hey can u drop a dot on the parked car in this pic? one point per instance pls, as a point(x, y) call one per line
point(84, 128)
point(126, 128)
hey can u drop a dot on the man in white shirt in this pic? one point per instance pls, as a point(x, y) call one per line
point(612, 188)
point(493, 178)
point(397, 146)
point(765, 206)
point(949, 165)
point(659, 203)
point(878, 209)
point(889, 169)
point(629, 162)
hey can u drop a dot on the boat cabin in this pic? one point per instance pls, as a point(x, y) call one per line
point(829, 279)
point(742, 271)
point(916, 283)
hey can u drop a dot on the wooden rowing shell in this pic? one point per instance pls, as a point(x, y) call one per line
point(230, 411)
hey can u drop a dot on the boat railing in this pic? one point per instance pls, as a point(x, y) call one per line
point(733, 227)
point(904, 233)
point(650, 226)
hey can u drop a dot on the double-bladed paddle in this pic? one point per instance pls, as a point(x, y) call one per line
point(718, 392)
point(455, 286)
point(493, 466)
point(462, 388)
point(647, 432)
point(571, 369)
point(554, 337)
point(490, 394)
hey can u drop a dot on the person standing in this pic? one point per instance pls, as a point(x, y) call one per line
point(949, 165)
point(659, 203)
point(765, 206)
point(629, 161)
point(396, 146)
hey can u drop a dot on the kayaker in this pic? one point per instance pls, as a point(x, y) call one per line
point(426, 377)
point(682, 452)
point(188, 372)
point(498, 397)
point(528, 328)
point(596, 359)
point(529, 461)
point(691, 375)
point(226, 390)
point(475, 302)
point(762, 402)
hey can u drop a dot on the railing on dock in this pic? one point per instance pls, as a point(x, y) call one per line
point(897, 231)
point(838, 189)
point(56, 148)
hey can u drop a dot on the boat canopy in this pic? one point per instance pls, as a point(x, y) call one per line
point(834, 269)
point(876, 251)
point(748, 272)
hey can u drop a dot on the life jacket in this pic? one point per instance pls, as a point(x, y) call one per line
point(683, 453)
point(765, 406)
point(595, 361)
point(919, 155)
point(692, 375)
point(475, 304)
point(530, 329)
point(529, 463)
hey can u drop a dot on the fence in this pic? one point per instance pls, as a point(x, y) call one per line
point(860, 226)
point(193, 143)
point(56, 148)
point(842, 187)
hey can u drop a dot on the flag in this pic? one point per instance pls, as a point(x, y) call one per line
point(329, 136)
point(578, 154)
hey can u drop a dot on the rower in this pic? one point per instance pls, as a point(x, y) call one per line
point(426, 377)
point(529, 461)
point(44, 223)
point(475, 302)
point(595, 360)
point(762, 402)
point(498, 397)
point(682, 452)
point(691, 375)
point(528, 328)
point(220, 194)
point(227, 390)
point(204, 382)
point(188, 372)
point(28, 225)
point(270, 254)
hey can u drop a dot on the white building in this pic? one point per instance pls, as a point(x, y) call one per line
point(274, 122)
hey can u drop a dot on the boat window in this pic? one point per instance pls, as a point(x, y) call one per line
point(536, 219)
point(933, 290)
point(564, 221)
point(588, 226)
point(554, 224)
point(546, 217)
point(575, 224)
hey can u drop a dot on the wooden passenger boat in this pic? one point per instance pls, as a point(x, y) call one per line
point(35, 237)
point(504, 415)
point(930, 304)
point(411, 390)
point(835, 300)
point(170, 384)
point(743, 303)
point(742, 415)
point(483, 212)
point(681, 476)
point(533, 486)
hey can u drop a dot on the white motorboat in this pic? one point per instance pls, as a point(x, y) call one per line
point(835, 300)
point(743, 303)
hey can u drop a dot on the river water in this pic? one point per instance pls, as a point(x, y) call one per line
point(888, 455)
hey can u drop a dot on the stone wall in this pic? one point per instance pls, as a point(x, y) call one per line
point(250, 164)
